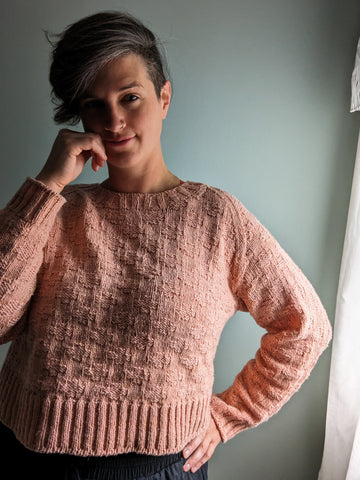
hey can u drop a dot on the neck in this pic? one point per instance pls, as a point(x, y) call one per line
point(149, 180)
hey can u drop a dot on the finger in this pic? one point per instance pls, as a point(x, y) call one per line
point(89, 142)
point(96, 163)
point(198, 453)
point(99, 150)
point(196, 460)
point(94, 149)
point(192, 446)
point(200, 457)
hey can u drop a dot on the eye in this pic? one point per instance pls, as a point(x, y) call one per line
point(90, 104)
point(131, 98)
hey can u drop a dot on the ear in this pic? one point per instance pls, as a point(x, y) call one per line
point(165, 98)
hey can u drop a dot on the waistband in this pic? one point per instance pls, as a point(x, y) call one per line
point(126, 466)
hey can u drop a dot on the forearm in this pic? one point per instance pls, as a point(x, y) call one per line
point(25, 224)
point(282, 301)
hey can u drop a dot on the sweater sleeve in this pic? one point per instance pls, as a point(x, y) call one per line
point(25, 224)
point(267, 284)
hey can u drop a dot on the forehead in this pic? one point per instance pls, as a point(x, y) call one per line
point(128, 70)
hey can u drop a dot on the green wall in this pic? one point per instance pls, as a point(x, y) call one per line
point(260, 109)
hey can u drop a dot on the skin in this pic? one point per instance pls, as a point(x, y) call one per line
point(107, 106)
point(122, 103)
point(201, 448)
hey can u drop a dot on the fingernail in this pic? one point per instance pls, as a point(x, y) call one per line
point(186, 467)
point(186, 453)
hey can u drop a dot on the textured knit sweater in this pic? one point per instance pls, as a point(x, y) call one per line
point(115, 303)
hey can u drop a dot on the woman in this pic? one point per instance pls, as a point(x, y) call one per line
point(115, 295)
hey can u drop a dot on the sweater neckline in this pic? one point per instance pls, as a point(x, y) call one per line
point(173, 197)
point(104, 185)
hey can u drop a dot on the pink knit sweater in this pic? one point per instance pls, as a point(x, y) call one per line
point(115, 303)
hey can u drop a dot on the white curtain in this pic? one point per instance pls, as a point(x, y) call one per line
point(341, 458)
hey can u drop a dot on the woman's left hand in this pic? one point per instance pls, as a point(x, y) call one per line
point(201, 448)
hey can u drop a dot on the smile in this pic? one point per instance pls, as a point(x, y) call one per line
point(120, 142)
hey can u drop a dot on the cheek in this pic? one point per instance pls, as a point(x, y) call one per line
point(90, 123)
point(149, 121)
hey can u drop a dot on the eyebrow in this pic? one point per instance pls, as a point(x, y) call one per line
point(131, 85)
point(121, 89)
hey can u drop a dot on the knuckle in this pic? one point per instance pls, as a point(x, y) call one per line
point(95, 136)
point(63, 132)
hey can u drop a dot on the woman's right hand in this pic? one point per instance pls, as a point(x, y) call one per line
point(70, 152)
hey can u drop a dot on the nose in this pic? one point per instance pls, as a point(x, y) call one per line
point(114, 119)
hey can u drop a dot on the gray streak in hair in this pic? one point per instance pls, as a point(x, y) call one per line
point(89, 44)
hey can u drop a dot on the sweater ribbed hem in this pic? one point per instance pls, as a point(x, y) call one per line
point(93, 427)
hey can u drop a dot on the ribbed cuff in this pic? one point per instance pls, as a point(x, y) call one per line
point(35, 202)
point(226, 418)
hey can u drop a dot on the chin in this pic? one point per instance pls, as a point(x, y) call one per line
point(121, 161)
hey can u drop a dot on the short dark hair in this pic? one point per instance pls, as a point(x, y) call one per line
point(86, 46)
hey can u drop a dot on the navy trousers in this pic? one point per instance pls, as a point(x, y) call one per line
point(24, 464)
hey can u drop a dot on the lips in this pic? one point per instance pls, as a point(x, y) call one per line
point(118, 141)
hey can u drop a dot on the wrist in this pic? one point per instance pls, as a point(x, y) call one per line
point(53, 185)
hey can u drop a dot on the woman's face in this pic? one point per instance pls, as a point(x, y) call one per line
point(123, 108)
